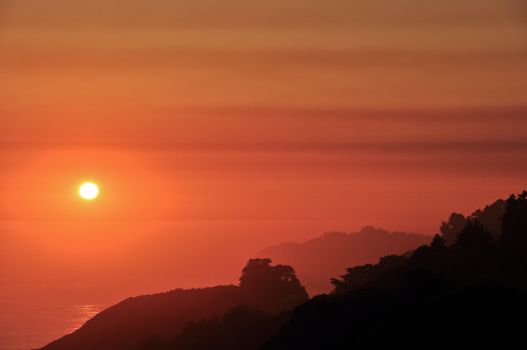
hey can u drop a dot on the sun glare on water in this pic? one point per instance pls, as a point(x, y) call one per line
point(89, 191)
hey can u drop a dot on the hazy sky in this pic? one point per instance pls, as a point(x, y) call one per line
point(247, 123)
point(195, 71)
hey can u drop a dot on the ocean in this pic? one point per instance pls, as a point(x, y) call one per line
point(25, 326)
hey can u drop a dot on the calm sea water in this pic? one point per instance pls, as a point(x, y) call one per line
point(30, 326)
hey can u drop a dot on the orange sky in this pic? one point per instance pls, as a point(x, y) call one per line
point(216, 128)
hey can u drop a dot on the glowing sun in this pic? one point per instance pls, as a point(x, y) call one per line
point(89, 191)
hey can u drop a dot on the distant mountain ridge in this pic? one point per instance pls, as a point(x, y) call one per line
point(319, 259)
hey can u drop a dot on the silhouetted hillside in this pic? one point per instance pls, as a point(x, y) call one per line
point(318, 260)
point(490, 217)
point(472, 293)
point(268, 289)
point(241, 328)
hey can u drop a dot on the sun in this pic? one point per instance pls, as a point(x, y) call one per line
point(89, 191)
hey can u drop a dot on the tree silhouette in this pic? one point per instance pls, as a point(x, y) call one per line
point(278, 284)
point(360, 276)
point(515, 222)
point(474, 236)
point(438, 243)
point(469, 293)
point(451, 228)
point(491, 217)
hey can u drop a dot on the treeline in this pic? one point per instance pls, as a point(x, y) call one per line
point(317, 260)
point(467, 288)
point(471, 293)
